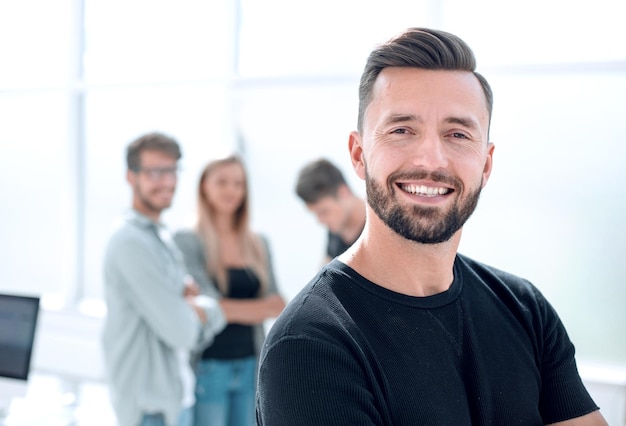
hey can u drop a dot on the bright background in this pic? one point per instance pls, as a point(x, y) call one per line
point(277, 81)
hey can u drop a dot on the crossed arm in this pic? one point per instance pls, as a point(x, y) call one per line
point(240, 311)
point(252, 311)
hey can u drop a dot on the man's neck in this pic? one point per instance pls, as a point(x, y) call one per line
point(149, 213)
point(401, 265)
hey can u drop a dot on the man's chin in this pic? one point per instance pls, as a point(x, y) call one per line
point(159, 207)
point(163, 202)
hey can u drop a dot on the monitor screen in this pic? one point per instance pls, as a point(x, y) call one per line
point(18, 321)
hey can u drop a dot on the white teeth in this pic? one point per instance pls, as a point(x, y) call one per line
point(427, 191)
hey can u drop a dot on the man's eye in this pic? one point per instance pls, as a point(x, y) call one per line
point(459, 135)
point(400, 131)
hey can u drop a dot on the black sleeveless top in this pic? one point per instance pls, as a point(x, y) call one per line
point(236, 340)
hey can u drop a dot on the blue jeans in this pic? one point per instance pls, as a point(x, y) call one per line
point(225, 392)
point(185, 419)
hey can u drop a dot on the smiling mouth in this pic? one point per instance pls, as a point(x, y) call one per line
point(424, 191)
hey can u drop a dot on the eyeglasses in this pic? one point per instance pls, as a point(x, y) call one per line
point(158, 173)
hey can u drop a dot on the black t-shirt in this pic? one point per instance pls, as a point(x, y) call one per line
point(489, 350)
point(335, 245)
point(236, 340)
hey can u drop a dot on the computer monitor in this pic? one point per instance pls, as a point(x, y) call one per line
point(18, 322)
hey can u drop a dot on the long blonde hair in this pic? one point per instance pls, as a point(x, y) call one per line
point(254, 252)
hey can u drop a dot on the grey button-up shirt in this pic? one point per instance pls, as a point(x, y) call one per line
point(150, 328)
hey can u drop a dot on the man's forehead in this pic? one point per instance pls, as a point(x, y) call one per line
point(398, 79)
point(156, 156)
point(407, 93)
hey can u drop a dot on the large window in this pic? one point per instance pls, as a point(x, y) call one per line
point(277, 80)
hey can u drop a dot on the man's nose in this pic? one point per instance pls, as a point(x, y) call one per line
point(429, 152)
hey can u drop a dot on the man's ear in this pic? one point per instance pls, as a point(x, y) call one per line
point(488, 163)
point(355, 146)
point(130, 177)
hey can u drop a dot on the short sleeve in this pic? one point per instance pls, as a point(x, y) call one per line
point(563, 393)
point(309, 382)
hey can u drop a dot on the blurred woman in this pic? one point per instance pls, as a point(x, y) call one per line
point(228, 260)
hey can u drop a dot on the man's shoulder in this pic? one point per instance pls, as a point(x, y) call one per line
point(498, 281)
point(486, 270)
point(125, 231)
point(311, 298)
point(314, 308)
point(128, 240)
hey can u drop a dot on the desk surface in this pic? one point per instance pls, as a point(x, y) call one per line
point(54, 401)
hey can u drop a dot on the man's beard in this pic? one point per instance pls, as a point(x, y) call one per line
point(426, 225)
point(144, 198)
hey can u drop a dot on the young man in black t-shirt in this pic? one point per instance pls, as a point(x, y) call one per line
point(401, 329)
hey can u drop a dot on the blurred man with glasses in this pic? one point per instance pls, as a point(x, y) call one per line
point(155, 316)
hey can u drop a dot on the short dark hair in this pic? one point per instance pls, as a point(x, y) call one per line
point(154, 141)
point(318, 179)
point(419, 48)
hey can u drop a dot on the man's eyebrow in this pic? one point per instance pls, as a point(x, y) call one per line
point(463, 121)
point(401, 118)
